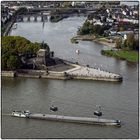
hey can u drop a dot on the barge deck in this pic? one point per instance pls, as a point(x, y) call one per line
point(86, 120)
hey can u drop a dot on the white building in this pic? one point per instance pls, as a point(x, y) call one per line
point(109, 20)
point(124, 13)
point(134, 21)
point(98, 23)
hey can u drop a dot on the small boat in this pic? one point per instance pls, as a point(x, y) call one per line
point(78, 51)
point(98, 112)
point(54, 108)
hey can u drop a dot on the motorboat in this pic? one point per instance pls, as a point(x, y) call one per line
point(54, 108)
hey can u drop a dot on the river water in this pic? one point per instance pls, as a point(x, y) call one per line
point(75, 97)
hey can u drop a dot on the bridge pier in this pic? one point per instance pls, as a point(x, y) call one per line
point(42, 18)
point(45, 18)
point(48, 18)
point(35, 18)
point(28, 18)
point(19, 18)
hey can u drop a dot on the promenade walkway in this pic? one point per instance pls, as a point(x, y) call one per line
point(91, 73)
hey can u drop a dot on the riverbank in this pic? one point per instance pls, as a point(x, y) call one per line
point(8, 27)
point(103, 41)
point(131, 56)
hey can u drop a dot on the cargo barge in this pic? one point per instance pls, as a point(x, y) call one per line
point(86, 120)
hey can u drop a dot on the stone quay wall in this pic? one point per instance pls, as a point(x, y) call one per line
point(78, 72)
point(8, 74)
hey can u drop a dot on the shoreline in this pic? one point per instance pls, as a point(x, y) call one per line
point(129, 56)
point(122, 55)
point(62, 77)
point(94, 39)
point(8, 27)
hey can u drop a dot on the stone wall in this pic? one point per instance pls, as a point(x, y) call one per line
point(56, 75)
point(98, 78)
point(8, 73)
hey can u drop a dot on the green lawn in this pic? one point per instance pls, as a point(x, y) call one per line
point(132, 56)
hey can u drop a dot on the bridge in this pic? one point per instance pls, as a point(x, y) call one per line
point(34, 17)
point(43, 16)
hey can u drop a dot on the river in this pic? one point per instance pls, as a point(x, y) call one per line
point(74, 97)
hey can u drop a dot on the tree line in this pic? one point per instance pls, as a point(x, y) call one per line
point(89, 28)
point(130, 43)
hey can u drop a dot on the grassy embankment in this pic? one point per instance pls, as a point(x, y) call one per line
point(131, 56)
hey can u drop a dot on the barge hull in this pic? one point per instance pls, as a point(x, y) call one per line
point(84, 120)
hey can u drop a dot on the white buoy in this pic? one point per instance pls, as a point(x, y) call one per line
point(78, 51)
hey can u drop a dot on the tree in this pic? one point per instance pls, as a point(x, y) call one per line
point(18, 45)
point(14, 46)
point(85, 29)
point(89, 28)
point(98, 29)
point(136, 45)
point(118, 43)
point(130, 41)
point(13, 62)
point(22, 10)
point(45, 46)
point(4, 62)
point(125, 44)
